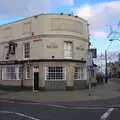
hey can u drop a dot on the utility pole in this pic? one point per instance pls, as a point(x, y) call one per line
point(106, 68)
point(89, 72)
point(89, 63)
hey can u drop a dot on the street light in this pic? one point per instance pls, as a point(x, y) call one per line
point(106, 67)
point(114, 39)
point(106, 70)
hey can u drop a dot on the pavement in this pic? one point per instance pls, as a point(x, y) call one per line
point(101, 92)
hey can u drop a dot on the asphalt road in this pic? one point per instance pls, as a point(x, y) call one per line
point(74, 110)
point(10, 110)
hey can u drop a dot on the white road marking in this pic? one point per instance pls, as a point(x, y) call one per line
point(107, 114)
point(26, 116)
point(31, 103)
point(7, 101)
point(50, 105)
point(19, 114)
point(88, 108)
point(57, 106)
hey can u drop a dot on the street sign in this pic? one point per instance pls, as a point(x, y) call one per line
point(94, 52)
point(90, 68)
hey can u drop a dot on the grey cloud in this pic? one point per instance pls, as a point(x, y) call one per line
point(30, 7)
point(13, 7)
point(23, 7)
point(100, 15)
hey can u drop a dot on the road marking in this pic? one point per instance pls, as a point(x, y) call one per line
point(50, 105)
point(31, 103)
point(19, 114)
point(26, 116)
point(57, 106)
point(90, 108)
point(7, 101)
point(107, 114)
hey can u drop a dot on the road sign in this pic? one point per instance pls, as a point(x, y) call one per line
point(90, 68)
point(94, 52)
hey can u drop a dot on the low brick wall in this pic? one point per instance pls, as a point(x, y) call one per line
point(15, 85)
point(11, 82)
point(55, 85)
point(27, 82)
point(80, 84)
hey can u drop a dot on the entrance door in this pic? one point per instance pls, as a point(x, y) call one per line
point(36, 80)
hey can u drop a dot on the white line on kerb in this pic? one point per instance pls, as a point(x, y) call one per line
point(106, 114)
point(19, 114)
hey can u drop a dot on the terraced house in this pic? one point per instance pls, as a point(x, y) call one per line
point(46, 51)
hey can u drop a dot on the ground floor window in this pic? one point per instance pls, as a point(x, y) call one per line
point(11, 72)
point(79, 73)
point(55, 73)
point(28, 71)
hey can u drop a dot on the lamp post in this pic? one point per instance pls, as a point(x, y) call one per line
point(111, 32)
point(114, 39)
point(106, 70)
point(106, 66)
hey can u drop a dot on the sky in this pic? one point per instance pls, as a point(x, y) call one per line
point(100, 14)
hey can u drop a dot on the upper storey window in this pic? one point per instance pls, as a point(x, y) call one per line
point(7, 32)
point(26, 50)
point(26, 27)
point(68, 49)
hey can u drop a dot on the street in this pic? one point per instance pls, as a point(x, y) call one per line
point(43, 106)
point(17, 110)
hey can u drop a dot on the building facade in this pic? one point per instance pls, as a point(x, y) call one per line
point(47, 51)
point(114, 69)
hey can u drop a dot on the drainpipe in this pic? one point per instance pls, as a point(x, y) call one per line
point(22, 76)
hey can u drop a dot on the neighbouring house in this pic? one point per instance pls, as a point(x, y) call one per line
point(46, 51)
point(114, 69)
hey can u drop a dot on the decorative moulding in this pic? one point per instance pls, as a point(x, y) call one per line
point(52, 45)
point(81, 48)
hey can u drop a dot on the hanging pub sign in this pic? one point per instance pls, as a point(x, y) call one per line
point(11, 49)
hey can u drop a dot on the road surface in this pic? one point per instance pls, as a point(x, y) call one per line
point(23, 110)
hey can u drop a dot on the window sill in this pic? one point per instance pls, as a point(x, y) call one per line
point(55, 80)
point(12, 79)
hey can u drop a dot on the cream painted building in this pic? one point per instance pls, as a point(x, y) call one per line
point(46, 51)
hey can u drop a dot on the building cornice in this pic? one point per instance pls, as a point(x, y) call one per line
point(42, 36)
point(44, 14)
point(13, 62)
